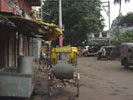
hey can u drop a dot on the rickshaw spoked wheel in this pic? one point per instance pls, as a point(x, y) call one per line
point(77, 85)
point(77, 88)
point(49, 85)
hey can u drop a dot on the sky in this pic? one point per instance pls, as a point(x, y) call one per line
point(114, 11)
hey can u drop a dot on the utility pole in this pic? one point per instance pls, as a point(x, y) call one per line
point(42, 10)
point(105, 5)
point(109, 13)
point(60, 22)
point(106, 8)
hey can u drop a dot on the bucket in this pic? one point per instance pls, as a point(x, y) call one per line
point(25, 65)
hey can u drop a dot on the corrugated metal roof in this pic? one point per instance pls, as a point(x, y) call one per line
point(34, 28)
point(4, 21)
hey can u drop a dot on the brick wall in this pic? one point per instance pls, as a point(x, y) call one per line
point(4, 7)
point(23, 4)
point(0, 5)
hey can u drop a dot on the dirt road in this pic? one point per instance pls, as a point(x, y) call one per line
point(104, 80)
point(100, 80)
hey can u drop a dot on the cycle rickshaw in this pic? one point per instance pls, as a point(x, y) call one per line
point(64, 72)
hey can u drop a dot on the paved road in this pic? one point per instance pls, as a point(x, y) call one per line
point(100, 80)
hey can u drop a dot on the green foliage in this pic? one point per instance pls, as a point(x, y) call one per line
point(127, 20)
point(123, 37)
point(80, 17)
point(115, 32)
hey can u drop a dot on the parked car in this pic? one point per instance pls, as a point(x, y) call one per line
point(126, 52)
point(109, 52)
point(92, 50)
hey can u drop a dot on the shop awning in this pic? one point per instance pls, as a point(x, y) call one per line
point(35, 28)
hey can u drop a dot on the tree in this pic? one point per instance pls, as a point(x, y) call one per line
point(80, 17)
point(123, 37)
point(119, 2)
point(126, 36)
point(127, 20)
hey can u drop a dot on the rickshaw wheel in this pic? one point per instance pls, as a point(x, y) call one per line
point(77, 82)
point(49, 87)
point(49, 90)
point(77, 88)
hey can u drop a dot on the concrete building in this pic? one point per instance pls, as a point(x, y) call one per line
point(99, 37)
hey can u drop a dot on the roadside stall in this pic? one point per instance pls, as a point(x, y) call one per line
point(19, 80)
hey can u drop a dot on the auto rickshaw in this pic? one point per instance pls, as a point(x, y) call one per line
point(109, 52)
point(63, 73)
point(126, 54)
